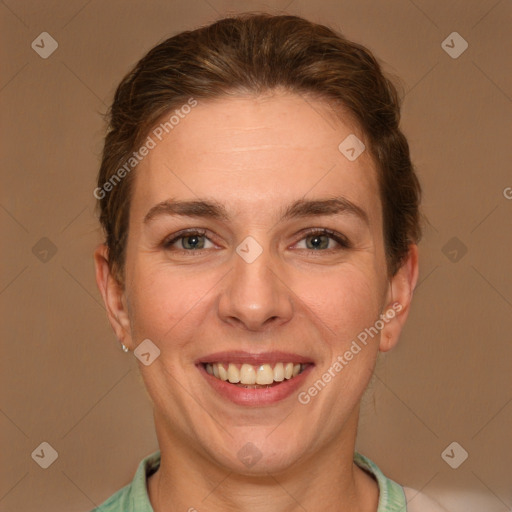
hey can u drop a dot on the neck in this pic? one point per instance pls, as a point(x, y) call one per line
point(329, 480)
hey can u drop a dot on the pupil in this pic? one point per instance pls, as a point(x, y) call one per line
point(193, 237)
point(316, 241)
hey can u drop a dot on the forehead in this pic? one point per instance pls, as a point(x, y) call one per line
point(255, 152)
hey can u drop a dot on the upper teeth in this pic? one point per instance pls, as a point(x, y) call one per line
point(249, 374)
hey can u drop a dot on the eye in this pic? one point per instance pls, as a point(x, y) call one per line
point(320, 238)
point(188, 241)
point(192, 240)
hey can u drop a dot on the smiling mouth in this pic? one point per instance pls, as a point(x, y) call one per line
point(254, 376)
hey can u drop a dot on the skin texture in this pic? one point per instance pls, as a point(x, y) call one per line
point(256, 155)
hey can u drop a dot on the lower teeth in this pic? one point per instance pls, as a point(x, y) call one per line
point(253, 386)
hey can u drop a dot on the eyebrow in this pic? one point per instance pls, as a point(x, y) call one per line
point(298, 209)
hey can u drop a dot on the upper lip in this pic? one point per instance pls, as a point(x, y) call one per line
point(253, 358)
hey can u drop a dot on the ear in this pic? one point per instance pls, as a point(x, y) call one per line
point(113, 296)
point(399, 296)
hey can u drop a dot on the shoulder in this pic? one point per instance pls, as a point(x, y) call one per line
point(419, 502)
point(116, 503)
point(134, 496)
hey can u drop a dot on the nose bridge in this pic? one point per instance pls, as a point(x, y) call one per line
point(255, 294)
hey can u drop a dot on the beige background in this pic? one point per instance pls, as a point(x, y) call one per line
point(65, 380)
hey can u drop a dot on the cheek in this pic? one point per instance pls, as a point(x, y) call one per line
point(345, 300)
point(164, 300)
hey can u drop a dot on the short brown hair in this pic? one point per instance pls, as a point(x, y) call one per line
point(255, 53)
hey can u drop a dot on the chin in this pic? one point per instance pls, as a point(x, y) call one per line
point(258, 455)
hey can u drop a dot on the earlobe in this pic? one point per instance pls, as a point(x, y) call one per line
point(113, 296)
point(400, 293)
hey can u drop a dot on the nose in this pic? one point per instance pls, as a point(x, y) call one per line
point(255, 296)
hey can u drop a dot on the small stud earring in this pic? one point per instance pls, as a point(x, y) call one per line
point(125, 348)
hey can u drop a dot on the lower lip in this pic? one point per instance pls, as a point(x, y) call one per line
point(255, 397)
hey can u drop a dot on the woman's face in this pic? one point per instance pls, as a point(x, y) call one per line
point(259, 284)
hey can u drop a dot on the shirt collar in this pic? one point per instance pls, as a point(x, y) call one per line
point(391, 494)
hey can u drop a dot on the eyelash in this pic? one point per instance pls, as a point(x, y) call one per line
point(337, 237)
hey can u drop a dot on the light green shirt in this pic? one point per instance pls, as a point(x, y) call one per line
point(134, 497)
